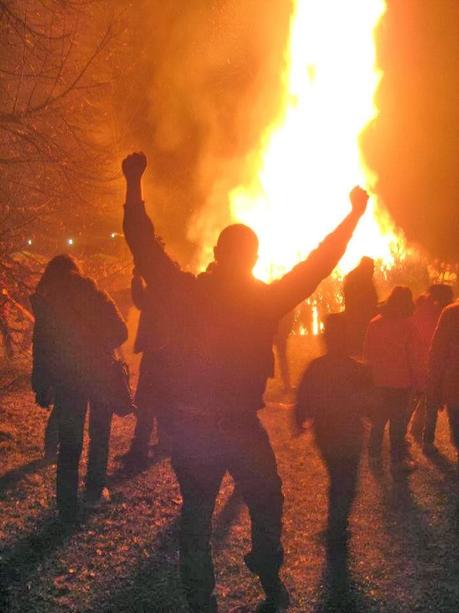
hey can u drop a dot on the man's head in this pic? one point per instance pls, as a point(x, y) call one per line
point(441, 293)
point(399, 303)
point(57, 270)
point(236, 249)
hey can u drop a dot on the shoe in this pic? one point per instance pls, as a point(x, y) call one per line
point(277, 599)
point(406, 465)
point(429, 449)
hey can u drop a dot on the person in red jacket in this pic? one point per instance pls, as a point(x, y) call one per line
point(219, 356)
point(393, 352)
point(443, 373)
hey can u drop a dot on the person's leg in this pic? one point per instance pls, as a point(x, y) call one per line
point(281, 350)
point(145, 421)
point(378, 424)
point(343, 474)
point(253, 467)
point(398, 401)
point(428, 437)
point(71, 408)
point(100, 419)
point(199, 482)
point(52, 434)
point(453, 418)
point(418, 419)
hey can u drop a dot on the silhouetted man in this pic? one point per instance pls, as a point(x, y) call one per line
point(220, 356)
point(360, 302)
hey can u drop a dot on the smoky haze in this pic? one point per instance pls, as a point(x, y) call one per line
point(413, 146)
point(201, 81)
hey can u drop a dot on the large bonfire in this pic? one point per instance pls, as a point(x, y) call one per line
point(310, 157)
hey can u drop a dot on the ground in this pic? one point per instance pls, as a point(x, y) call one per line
point(403, 553)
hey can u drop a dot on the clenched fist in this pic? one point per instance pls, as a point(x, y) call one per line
point(359, 199)
point(134, 166)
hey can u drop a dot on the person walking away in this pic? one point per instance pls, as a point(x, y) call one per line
point(280, 344)
point(426, 316)
point(336, 392)
point(220, 356)
point(153, 386)
point(77, 327)
point(360, 303)
point(392, 351)
point(443, 373)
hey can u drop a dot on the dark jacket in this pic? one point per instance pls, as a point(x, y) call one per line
point(443, 373)
point(336, 392)
point(77, 326)
point(221, 336)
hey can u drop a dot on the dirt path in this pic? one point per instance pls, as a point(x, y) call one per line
point(404, 551)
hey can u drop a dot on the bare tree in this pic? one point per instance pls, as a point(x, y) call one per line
point(54, 130)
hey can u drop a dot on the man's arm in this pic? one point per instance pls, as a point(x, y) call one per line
point(151, 261)
point(302, 280)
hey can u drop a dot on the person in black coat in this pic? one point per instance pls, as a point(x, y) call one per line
point(222, 325)
point(152, 393)
point(336, 393)
point(77, 327)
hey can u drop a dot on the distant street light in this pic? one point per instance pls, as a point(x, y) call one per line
point(70, 241)
point(29, 241)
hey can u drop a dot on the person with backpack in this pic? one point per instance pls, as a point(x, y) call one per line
point(222, 325)
point(77, 328)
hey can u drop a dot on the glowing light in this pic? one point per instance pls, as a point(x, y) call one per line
point(310, 157)
point(29, 241)
point(70, 241)
point(113, 235)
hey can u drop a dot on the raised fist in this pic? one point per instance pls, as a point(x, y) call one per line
point(359, 199)
point(134, 165)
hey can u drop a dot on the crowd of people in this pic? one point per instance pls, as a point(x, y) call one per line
point(206, 343)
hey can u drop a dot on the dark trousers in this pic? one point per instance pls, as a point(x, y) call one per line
point(453, 418)
point(52, 433)
point(343, 472)
point(417, 417)
point(71, 408)
point(201, 456)
point(430, 425)
point(145, 423)
point(394, 409)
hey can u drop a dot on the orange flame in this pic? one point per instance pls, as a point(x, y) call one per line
point(310, 158)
